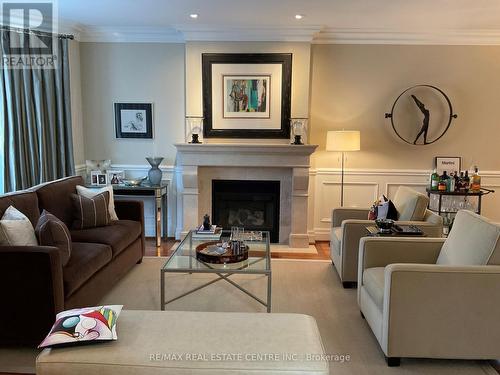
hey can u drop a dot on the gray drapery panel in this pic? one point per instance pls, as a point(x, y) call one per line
point(38, 144)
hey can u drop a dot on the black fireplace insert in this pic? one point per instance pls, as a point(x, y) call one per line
point(253, 205)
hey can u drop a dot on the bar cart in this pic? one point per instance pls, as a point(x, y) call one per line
point(448, 203)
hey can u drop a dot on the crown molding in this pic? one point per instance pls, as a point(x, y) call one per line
point(131, 34)
point(249, 33)
point(387, 36)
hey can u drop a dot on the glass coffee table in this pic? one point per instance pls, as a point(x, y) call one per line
point(184, 260)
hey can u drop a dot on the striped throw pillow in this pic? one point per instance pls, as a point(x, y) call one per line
point(90, 212)
point(51, 231)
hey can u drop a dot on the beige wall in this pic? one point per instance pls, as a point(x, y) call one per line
point(132, 72)
point(300, 71)
point(76, 102)
point(352, 86)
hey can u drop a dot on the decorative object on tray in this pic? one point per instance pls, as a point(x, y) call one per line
point(83, 325)
point(155, 174)
point(415, 106)
point(134, 120)
point(298, 131)
point(217, 252)
point(98, 178)
point(246, 95)
point(194, 128)
point(206, 222)
point(384, 225)
point(134, 181)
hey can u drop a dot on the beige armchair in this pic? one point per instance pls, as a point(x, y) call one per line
point(431, 297)
point(349, 225)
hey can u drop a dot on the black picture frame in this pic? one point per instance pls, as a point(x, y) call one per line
point(283, 59)
point(147, 107)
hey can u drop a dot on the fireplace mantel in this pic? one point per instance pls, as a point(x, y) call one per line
point(244, 154)
point(287, 163)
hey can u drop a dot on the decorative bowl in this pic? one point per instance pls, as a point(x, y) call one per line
point(384, 225)
point(134, 181)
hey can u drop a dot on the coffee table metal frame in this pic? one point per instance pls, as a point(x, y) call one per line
point(223, 273)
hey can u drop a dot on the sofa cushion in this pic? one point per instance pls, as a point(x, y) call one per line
point(50, 231)
point(373, 281)
point(118, 235)
point(55, 197)
point(90, 212)
point(86, 259)
point(473, 240)
point(24, 201)
point(89, 193)
point(336, 239)
point(411, 204)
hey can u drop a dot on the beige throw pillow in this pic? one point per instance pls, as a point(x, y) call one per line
point(16, 229)
point(90, 193)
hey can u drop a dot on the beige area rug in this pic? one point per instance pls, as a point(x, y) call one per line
point(307, 287)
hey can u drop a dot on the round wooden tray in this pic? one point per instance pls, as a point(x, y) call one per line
point(227, 257)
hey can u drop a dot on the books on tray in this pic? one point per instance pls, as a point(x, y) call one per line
point(212, 234)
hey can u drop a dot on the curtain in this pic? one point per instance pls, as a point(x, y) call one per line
point(36, 120)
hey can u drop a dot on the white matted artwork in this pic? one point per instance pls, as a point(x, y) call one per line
point(133, 121)
point(265, 117)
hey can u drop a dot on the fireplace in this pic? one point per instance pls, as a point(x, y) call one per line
point(254, 205)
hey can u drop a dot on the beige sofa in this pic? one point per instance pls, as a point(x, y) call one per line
point(349, 225)
point(179, 342)
point(431, 297)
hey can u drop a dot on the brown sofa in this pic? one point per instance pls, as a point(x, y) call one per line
point(33, 283)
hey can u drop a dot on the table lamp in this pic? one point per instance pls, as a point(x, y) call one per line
point(342, 141)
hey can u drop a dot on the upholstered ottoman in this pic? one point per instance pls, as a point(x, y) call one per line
point(175, 342)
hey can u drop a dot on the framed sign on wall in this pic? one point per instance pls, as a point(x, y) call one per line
point(447, 163)
point(246, 95)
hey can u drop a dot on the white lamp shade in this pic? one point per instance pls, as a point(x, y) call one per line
point(343, 140)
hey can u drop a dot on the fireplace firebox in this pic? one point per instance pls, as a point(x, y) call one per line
point(254, 205)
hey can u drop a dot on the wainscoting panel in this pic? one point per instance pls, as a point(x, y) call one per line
point(361, 188)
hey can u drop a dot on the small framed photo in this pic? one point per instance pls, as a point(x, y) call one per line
point(134, 120)
point(448, 164)
point(98, 178)
point(115, 177)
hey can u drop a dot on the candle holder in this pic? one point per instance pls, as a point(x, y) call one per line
point(298, 127)
point(194, 128)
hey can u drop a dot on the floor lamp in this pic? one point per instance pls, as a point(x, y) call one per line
point(342, 141)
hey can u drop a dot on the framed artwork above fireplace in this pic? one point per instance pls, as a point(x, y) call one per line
point(246, 95)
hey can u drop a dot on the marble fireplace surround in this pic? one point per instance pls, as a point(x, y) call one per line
point(199, 164)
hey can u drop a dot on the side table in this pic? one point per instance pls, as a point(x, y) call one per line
point(160, 193)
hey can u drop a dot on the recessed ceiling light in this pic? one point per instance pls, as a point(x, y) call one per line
point(193, 15)
point(299, 16)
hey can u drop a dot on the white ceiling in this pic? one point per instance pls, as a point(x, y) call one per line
point(462, 21)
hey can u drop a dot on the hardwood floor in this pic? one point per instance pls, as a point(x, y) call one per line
point(323, 249)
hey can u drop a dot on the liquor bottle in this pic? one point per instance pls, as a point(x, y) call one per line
point(475, 185)
point(457, 182)
point(451, 184)
point(434, 180)
point(443, 182)
point(461, 183)
point(466, 185)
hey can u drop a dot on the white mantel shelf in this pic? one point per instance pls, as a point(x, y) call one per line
point(244, 154)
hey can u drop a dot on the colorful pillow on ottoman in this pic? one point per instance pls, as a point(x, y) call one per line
point(51, 231)
point(88, 324)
